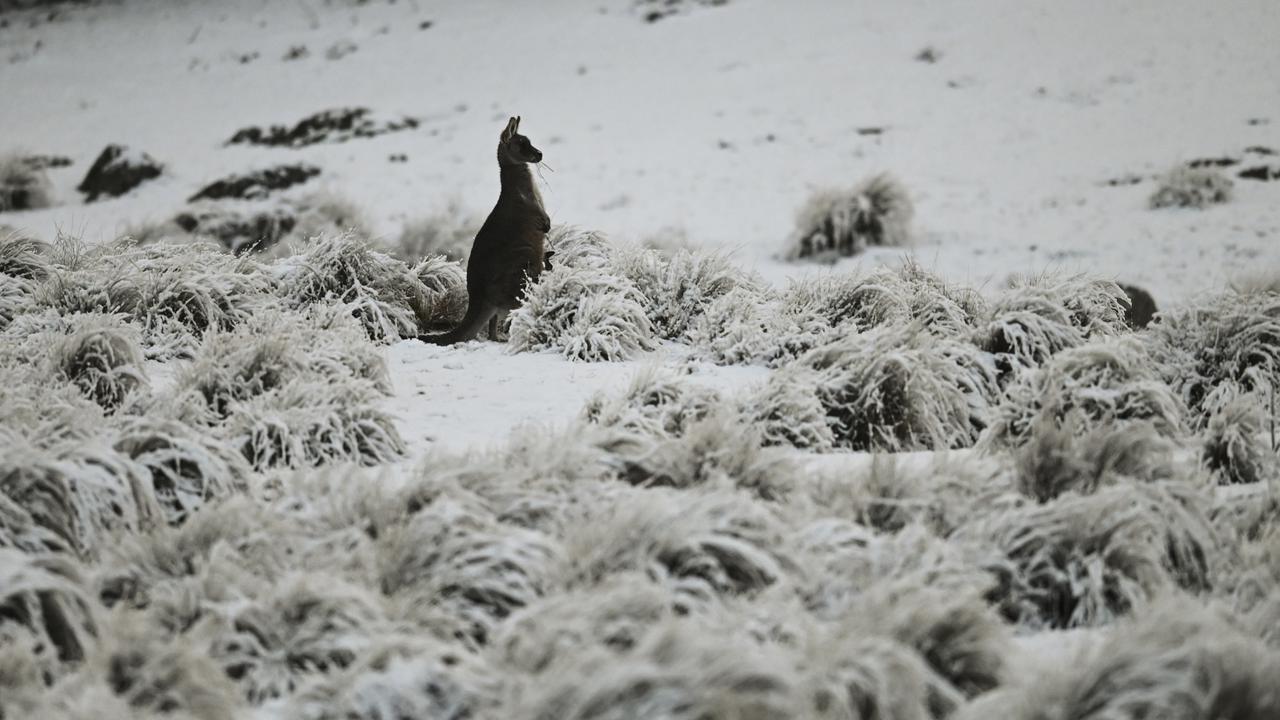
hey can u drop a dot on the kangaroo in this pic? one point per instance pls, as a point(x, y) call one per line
point(508, 252)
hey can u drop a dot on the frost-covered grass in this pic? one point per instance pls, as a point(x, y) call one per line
point(1187, 187)
point(196, 518)
point(835, 223)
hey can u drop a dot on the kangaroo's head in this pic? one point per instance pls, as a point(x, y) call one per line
point(514, 148)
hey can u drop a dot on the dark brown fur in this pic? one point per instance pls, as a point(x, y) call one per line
point(508, 252)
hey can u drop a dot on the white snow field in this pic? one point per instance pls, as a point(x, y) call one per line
point(699, 477)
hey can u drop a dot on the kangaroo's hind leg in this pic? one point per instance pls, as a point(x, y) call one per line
point(497, 322)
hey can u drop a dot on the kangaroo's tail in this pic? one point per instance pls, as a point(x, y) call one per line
point(472, 323)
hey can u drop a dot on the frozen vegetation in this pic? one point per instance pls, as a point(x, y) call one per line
point(833, 400)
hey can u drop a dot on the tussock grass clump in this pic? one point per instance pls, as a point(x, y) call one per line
point(898, 388)
point(23, 185)
point(575, 247)
point(100, 356)
point(48, 611)
point(584, 312)
point(407, 678)
point(835, 223)
point(23, 257)
point(1085, 560)
point(1236, 447)
point(678, 287)
point(1040, 316)
point(745, 327)
point(377, 289)
point(1215, 350)
point(1056, 460)
point(712, 449)
point(136, 672)
point(657, 403)
point(443, 302)
point(307, 423)
point(187, 468)
point(274, 347)
point(1187, 187)
point(904, 294)
point(307, 625)
point(16, 298)
point(79, 492)
point(787, 412)
point(461, 561)
point(961, 638)
point(1099, 383)
point(448, 232)
point(1178, 661)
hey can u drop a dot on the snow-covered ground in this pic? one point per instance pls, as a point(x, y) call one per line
point(718, 122)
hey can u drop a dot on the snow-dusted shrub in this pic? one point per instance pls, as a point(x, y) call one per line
point(303, 423)
point(187, 467)
point(746, 327)
point(1177, 661)
point(1214, 350)
point(101, 357)
point(834, 223)
point(786, 410)
point(897, 387)
point(404, 678)
point(448, 232)
point(677, 288)
point(1191, 187)
point(1056, 460)
point(378, 289)
point(583, 311)
point(48, 611)
point(713, 449)
point(1039, 316)
point(443, 302)
point(657, 402)
point(1084, 560)
point(1236, 447)
point(1099, 383)
point(23, 257)
point(23, 186)
point(307, 624)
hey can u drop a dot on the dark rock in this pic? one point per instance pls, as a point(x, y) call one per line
point(239, 233)
point(337, 125)
point(425, 25)
point(1212, 162)
point(1264, 173)
point(258, 184)
point(1141, 309)
point(1124, 180)
point(44, 162)
point(869, 130)
point(1260, 150)
point(117, 171)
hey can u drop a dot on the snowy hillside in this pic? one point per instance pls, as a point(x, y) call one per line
point(838, 397)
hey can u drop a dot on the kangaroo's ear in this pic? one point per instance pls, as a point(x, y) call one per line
point(510, 129)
